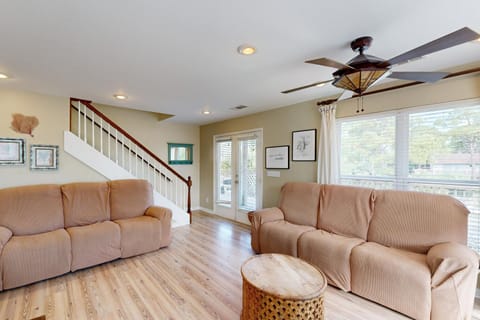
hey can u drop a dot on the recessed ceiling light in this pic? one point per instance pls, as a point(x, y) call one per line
point(120, 96)
point(3, 76)
point(320, 85)
point(246, 49)
point(206, 112)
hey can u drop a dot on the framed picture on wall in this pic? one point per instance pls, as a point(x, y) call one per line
point(304, 145)
point(43, 157)
point(277, 157)
point(12, 151)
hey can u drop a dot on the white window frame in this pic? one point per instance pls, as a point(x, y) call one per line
point(401, 180)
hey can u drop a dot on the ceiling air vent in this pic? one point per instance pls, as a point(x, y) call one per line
point(240, 107)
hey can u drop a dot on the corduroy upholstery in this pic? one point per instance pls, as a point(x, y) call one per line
point(31, 209)
point(94, 244)
point(281, 237)
point(332, 252)
point(26, 259)
point(405, 250)
point(49, 230)
point(85, 203)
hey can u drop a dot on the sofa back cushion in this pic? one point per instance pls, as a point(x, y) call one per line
point(31, 209)
point(346, 210)
point(129, 198)
point(85, 203)
point(416, 221)
point(299, 202)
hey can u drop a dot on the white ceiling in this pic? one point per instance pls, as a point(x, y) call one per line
point(179, 57)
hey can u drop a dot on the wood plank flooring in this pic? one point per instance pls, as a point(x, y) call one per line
point(196, 277)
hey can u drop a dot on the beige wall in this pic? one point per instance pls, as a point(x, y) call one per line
point(277, 130)
point(155, 134)
point(279, 123)
point(53, 114)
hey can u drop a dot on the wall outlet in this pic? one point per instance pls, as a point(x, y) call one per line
point(206, 199)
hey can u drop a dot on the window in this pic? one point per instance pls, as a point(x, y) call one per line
point(434, 150)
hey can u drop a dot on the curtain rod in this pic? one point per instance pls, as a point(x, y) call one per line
point(451, 75)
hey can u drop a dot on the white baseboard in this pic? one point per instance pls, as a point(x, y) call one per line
point(205, 210)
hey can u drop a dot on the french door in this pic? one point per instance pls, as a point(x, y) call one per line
point(238, 174)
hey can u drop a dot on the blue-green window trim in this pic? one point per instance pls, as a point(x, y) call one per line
point(180, 153)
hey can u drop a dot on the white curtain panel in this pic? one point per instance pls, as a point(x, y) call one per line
point(328, 160)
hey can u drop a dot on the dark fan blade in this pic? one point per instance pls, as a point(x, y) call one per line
point(307, 86)
point(419, 76)
point(450, 40)
point(329, 63)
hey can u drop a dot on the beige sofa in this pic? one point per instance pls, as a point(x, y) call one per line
point(404, 250)
point(49, 230)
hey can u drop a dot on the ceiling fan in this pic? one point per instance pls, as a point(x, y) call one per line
point(364, 70)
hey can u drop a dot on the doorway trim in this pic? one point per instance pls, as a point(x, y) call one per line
point(260, 169)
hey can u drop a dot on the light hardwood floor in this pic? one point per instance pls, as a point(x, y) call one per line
point(196, 277)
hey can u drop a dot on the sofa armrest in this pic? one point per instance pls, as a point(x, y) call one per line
point(160, 213)
point(259, 217)
point(454, 270)
point(5, 235)
point(165, 216)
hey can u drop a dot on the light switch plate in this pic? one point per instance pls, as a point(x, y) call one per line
point(275, 174)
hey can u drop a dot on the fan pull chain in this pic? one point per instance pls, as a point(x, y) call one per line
point(358, 105)
point(362, 103)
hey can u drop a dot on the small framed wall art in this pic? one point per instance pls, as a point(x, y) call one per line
point(12, 151)
point(180, 153)
point(304, 145)
point(277, 157)
point(43, 157)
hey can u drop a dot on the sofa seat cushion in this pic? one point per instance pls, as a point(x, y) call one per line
point(85, 203)
point(281, 237)
point(140, 235)
point(94, 244)
point(392, 277)
point(331, 253)
point(26, 259)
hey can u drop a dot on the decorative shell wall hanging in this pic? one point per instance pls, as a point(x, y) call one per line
point(24, 124)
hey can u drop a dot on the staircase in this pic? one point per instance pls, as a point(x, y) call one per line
point(104, 146)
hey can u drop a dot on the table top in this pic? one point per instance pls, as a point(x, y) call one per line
point(284, 276)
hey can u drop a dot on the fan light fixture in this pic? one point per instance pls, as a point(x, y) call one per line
point(365, 71)
point(246, 49)
point(120, 96)
point(359, 80)
point(3, 76)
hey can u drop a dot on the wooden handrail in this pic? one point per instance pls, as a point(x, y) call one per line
point(188, 181)
point(130, 150)
point(126, 134)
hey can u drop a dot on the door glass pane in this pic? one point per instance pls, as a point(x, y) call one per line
point(247, 177)
point(224, 172)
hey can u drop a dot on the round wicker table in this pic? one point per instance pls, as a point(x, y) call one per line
point(277, 286)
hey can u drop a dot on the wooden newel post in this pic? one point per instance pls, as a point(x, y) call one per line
point(189, 201)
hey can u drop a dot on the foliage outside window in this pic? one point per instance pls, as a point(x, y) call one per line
point(434, 150)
